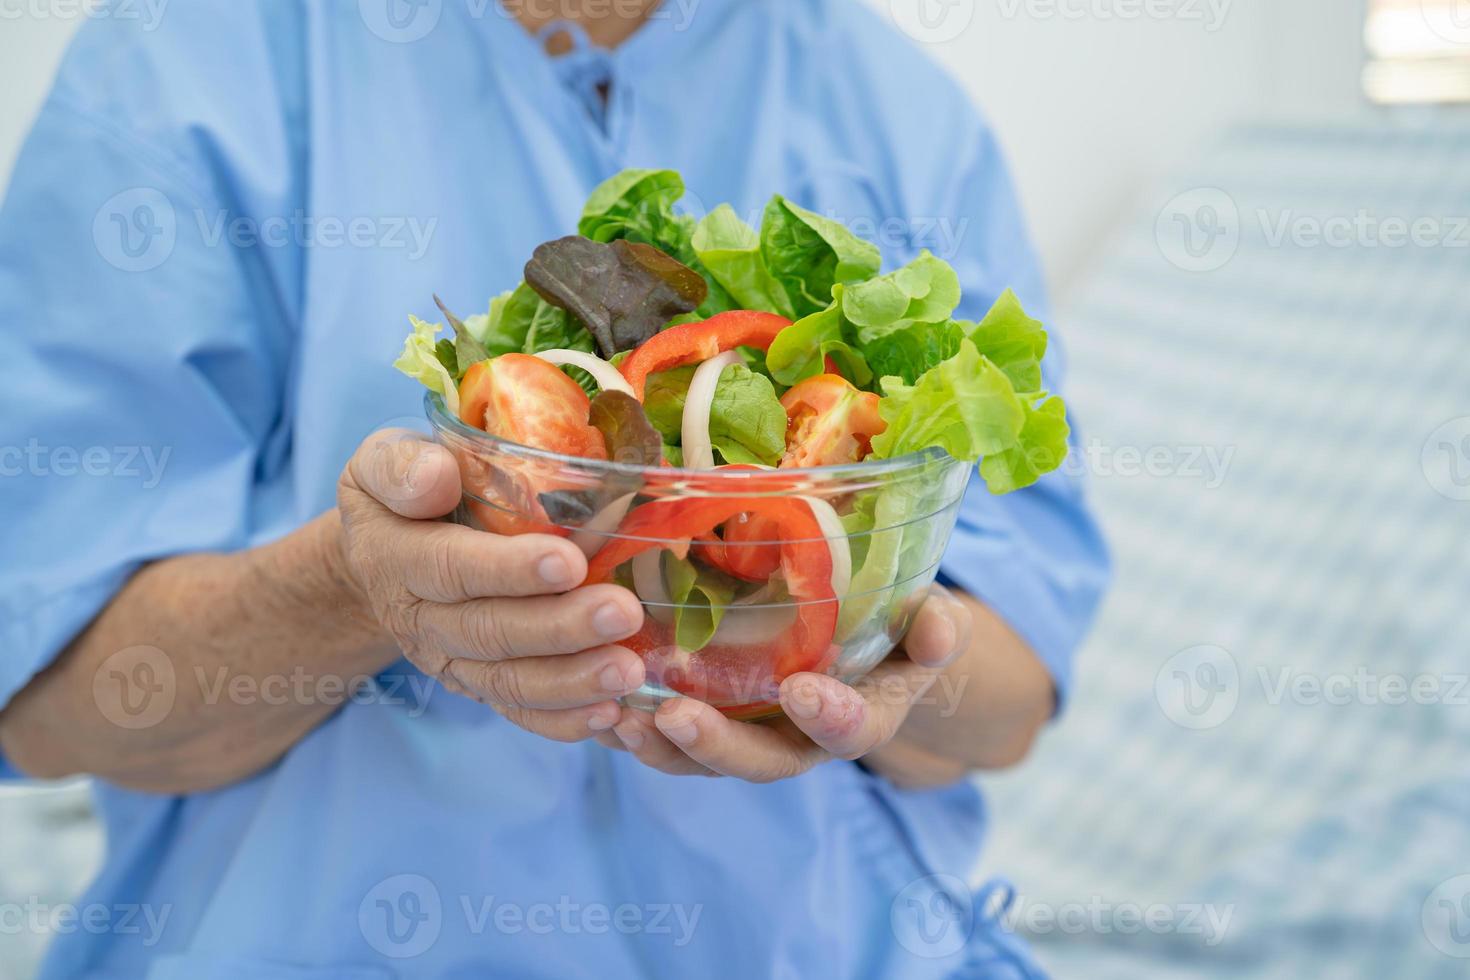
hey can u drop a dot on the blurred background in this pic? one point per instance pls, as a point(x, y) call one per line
point(1255, 216)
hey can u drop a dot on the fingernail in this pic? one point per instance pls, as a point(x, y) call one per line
point(612, 621)
point(951, 644)
point(617, 679)
point(842, 710)
point(554, 570)
point(416, 471)
point(601, 723)
point(806, 703)
point(632, 738)
point(682, 733)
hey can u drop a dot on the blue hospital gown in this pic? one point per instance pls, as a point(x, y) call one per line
point(207, 254)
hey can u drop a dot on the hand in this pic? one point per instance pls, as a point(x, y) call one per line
point(825, 719)
point(498, 619)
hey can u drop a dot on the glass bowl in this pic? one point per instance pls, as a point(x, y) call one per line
point(746, 575)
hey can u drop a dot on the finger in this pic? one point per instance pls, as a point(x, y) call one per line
point(851, 722)
point(449, 563)
point(565, 725)
point(571, 681)
point(648, 745)
point(539, 626)
point(941, 630)
point(610, 740)
point(758, 753)
point(402, 471)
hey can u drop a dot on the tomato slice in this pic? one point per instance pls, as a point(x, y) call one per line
point(525, 400)
point(731, 674)
point(690, 343)
point(829, 422)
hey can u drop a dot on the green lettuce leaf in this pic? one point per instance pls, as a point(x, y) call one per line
point(1041, 448)
point(499, 333)
point(901, 321)
point(891, 508)
point(700, 596)
point(731, 251)
point(636, 205)
point(1013, 341)
point(965, 406)
point(747, 423)
point(800, 351)
point(927, 290)
point(663, 401)
point(444, 350)
point(907, 349)
point(420, 361)
point(808, 254)
point(520, 321)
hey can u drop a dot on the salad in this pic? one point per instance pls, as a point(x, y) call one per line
point(677, 347)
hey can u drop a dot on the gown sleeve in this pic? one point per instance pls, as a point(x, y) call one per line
point(141, 414)
point(1035, 556)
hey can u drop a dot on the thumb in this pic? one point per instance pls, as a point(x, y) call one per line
point(404, 472)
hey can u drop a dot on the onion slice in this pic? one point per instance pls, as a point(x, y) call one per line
point(608, 378)
point(699, 452)
point(590, 537)
point(648, 582)
point(749, 625)
point(836, 536)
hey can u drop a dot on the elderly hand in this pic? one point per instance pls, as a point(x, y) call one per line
point(825, 719)
point(499, 619)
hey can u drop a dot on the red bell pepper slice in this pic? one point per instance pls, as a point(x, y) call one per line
point(747, 550)
point(728, 674)
point(752, 562)
point(690, 343)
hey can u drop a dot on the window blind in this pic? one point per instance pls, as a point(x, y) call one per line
point(1418, 52)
